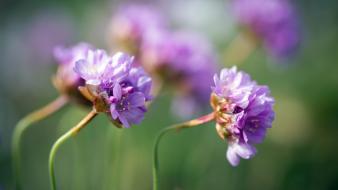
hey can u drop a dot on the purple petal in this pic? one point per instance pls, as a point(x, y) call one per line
point(114, 112)
point(144, 84)
point(124, 121)
point(232, 156)
point(121, 58)
point(81, 68)
point(117, 91)
point(244, 150)
point(134, 116)
point(136, 99)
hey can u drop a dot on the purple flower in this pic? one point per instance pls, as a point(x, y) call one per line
point(181, 59)
point(274, 21)
point(132, 22)
point(243, 110)
point(117, 87)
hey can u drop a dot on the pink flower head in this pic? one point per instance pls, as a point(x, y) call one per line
point(115, 86)
point(243, 110)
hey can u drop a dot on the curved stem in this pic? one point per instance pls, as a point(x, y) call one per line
point(177, 127)
point(23, 125)
point(73, 131)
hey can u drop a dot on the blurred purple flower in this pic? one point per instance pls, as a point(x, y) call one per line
point(70, 55)
point(274, 21)
point(123, 89)
point(132, 22)
point(46, 30)
point(66, 80)
point(244, 111)
point(178, 59)
point(182, 58)
point(66, 58)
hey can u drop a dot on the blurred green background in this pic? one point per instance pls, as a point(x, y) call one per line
point(300, 151)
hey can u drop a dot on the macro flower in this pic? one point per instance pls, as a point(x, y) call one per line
point(132, 22)
point(66, 80)
point(243, 112)
point(115, 86)
point(273, 21)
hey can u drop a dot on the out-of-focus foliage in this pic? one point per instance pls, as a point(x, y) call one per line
point(300, 150)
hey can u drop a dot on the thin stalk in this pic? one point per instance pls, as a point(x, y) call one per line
point(23, 125)
point(177, 127)
point(73, 131)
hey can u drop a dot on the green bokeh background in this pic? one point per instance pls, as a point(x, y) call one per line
point(300, 151)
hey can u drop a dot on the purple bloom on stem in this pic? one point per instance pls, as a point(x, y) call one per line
point(244, 111)
point(117, 87)
point(272, 20)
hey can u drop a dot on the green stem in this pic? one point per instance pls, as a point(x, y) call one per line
point(23, 125)
point(73, 131)
point(177, 127)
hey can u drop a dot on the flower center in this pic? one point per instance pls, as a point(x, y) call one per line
point(226, 115)
point(123, 104)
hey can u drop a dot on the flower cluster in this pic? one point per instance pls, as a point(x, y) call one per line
point(273, 21)
point(66, 80)
point(115, 86)
point(177, 58)
point(243, 111)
